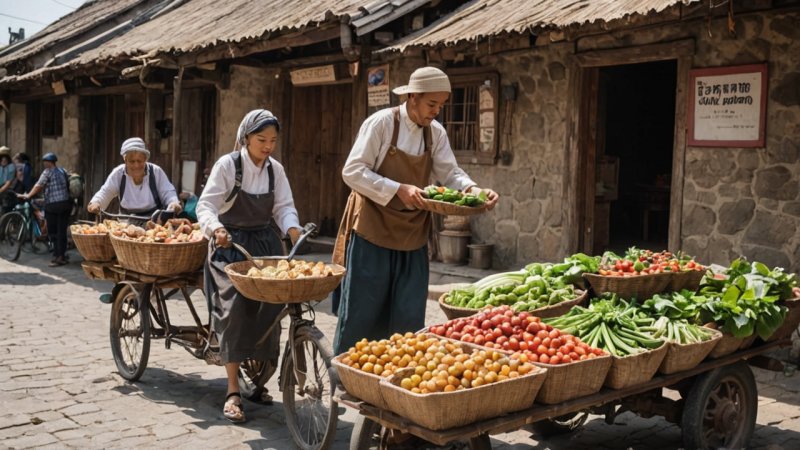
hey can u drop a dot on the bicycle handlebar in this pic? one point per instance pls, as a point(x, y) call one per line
point(158, 216)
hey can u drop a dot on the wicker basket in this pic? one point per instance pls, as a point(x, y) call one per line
point(451, 209)
point(572, 380)
point(360, 384)
point(273, 290)
point(635, 369)
point(682, 357)
point(641, 287)
point(454, 312)
point(689, 280)
point(159, 259)
point(790, 322)
point(94, 247)
point(443, 410)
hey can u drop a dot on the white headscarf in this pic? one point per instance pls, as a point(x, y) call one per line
point(254, 120)
point(134, 144)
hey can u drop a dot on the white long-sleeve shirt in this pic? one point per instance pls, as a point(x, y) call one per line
point(372, 144)
point(136, 197)
point(255, 180)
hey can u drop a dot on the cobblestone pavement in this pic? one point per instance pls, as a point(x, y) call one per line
point(59, 387)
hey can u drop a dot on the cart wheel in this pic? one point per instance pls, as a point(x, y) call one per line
point(720, 411)
point(307, 385)
point(560, 425)
point(130, 332)
point(370, 435)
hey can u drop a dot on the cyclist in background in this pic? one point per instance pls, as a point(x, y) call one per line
point(57, 206)
point(8, 177)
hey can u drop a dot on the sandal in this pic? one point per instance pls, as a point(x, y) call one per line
point(232, 410)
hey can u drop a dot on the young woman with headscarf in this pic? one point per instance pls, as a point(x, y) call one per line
point(245, 192)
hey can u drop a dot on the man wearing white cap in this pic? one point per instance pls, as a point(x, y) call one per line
point(142, 187)
point(383, 236)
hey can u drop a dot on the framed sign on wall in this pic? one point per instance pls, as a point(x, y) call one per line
point(727, 106)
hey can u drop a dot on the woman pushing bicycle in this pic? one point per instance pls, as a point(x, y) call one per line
point(245, 192)
point(142, 187)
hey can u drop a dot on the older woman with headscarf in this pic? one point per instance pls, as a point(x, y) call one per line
point(142, 187)
point(246, 191)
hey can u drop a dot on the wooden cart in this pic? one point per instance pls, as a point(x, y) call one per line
point(717, 408)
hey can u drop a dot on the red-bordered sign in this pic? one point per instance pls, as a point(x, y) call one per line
point(727, 106)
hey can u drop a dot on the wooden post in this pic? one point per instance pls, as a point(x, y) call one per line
point(176, 129)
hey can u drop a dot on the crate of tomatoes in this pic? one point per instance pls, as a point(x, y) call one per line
point(641, 273)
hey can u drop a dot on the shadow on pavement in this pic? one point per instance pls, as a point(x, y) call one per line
point(27, 279)
point(203, 399)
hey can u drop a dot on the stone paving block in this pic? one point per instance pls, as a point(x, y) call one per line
point(59, 425)
point(75, 433)
point(33, 440)
point(166, 432)
point(79, 409)
point(14, 420)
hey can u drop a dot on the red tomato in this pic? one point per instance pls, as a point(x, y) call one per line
point(479, 339)
point(533, 328)
point(532, 357)
point(468, 338)
point(566, 359)
point(544, 359)
point(556, 342)
point(506, 328)
point(554, 333)
point(486, 324)
point(541, 349)
point(541, 334)
point(555, 360)
point(513, 344)
point(527, 336)
point(547, 342)
point(524, 315)
point(523, 345)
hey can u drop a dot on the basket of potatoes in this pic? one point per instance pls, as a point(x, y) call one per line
point(92, 241)
point(284, 281)
point(174, 248)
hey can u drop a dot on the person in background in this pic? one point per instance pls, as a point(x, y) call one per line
point(57, 205)
point(246, 191)
point(383, 236)
point(189, 205)
point(142, 187)
point(24, 173)
point(8, 178)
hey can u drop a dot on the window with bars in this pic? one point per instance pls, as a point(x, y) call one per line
point(52, 118)
point(470, 116)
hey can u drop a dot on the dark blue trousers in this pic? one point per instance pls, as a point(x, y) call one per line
point(384, 292)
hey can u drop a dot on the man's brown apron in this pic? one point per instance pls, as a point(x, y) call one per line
point(391, 226)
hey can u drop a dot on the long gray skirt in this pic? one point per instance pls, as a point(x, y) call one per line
point(239, 322)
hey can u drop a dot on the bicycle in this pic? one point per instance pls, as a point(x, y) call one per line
point(139, 314)
point(18, 229)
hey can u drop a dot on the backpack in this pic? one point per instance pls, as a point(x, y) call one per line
point(153, 188)
point(74, 184)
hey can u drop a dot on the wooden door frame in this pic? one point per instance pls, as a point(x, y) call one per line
point(578, 183)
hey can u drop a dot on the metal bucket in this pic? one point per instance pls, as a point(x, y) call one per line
point(480, 255)
point(453, 246)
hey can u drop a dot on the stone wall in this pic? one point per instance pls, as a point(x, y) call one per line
point(250, 88)
point(17, 118)
point(736, 201)
point(66, 146)
point(745, 201)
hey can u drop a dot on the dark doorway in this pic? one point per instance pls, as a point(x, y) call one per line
point(633, 161)
point(320, 140)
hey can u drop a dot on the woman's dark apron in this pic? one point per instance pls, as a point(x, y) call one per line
point(240, 323)
point(385, 236)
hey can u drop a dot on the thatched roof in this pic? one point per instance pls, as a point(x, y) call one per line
point(479, 19)
point(183, 26)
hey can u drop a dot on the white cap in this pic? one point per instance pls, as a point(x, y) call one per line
point(134, 144)
point(425, 79)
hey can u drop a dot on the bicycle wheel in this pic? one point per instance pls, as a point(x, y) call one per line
point(130, 332)
point(311, 413)
point(39, 244)
point(13, 235)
